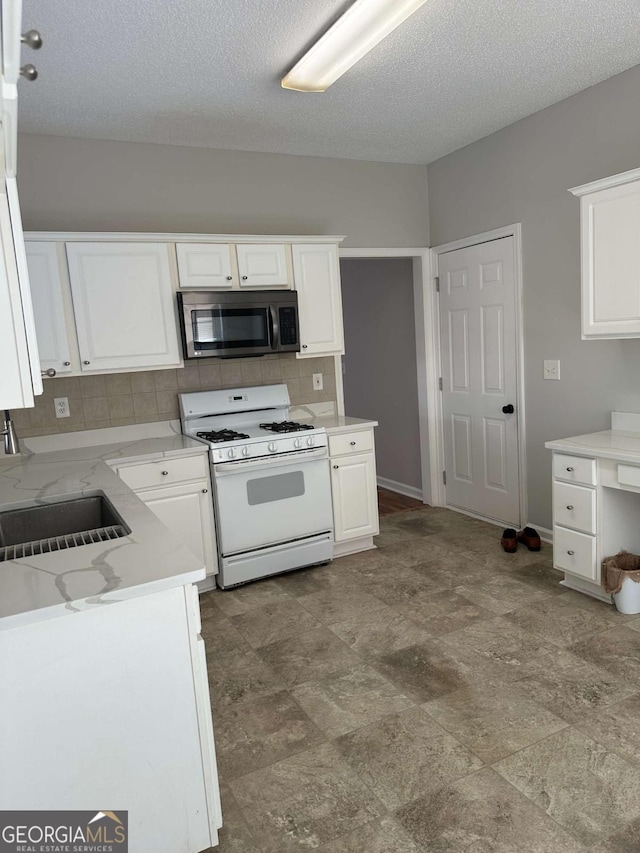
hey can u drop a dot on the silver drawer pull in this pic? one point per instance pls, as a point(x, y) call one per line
point(205, 491)
point(50, 372)
point(164, 473)
point(570, 469)
point(569, 506)
point(571, 553)
point(335, 466)
point(352, 443)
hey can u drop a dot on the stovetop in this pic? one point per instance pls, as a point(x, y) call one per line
point(285, 426)
point(221, 435)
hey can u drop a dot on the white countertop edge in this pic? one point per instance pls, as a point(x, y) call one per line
point(44, 614)
point(335, 424)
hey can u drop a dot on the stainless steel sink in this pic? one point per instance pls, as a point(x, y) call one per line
point(57, 526)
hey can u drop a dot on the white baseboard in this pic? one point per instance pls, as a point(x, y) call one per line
point(545, 534)
point(400, 488)
point(353, 546)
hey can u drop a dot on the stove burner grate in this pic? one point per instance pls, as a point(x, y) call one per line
point(285, 426)
point(218, 436)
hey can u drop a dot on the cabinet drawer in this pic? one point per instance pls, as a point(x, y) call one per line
point(629, 475)
point(351, 442)
point(575, 469)
point(150, 475)
point(574, 506)
point(575, 552)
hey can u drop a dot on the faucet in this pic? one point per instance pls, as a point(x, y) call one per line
point(11, 443)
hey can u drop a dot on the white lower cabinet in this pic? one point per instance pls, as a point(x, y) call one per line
point(353, 486)
point(184, 504)
point(575, 505)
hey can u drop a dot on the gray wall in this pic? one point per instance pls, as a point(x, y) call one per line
point(380, 380)
point(95, 185)
point(521, 174)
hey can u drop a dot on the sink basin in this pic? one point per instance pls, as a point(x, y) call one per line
point(56, 526)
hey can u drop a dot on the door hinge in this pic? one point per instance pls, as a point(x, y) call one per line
point(440, 383)
point(437, 281)
point(444, 478)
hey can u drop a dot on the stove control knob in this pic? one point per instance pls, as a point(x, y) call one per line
point(311, 441)
point(272, 446)
point(245, 451)
point(297, 443)
point(231, 453)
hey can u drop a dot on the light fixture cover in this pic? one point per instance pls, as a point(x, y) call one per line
point(354, 34)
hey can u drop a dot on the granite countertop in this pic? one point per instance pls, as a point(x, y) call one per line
point(339, 423)
point(609, 444)
point(150, 559)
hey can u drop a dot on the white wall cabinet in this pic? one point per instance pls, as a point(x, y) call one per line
point(48, 294)
point(20, 377)
point(316, 273)
point(124, 305)
point(610, 256)
point(263, 265)
point(211, 266)
point(354, 489)
point(178, 491)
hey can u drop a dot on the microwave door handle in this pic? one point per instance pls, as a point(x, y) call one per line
point(274, 328)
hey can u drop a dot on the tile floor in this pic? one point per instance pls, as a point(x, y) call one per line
point(435, 694)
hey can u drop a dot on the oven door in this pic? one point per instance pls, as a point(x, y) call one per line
point(269, 501)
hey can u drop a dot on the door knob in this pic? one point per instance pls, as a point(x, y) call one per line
point(508, 409)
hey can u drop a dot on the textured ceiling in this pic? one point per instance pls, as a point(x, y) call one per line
point(206, 72)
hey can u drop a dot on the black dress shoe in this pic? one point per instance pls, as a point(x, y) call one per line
point(509, 540)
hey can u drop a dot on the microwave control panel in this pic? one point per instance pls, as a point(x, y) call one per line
point(288, 327)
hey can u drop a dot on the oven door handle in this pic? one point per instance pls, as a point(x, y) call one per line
point(222, 469)
point(274, 328)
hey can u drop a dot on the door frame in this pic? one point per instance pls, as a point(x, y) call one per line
point(439, 492)
point(427, 356)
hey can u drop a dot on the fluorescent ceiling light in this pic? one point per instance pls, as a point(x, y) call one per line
point(354, 34)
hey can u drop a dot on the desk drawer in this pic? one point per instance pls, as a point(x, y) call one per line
point(151, 475)
point(574, 506)
point(575, 553)
point(575, 469)
point(351, 442)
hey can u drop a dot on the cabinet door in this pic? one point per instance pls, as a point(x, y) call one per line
point(206, 265)
point(20, 367)
point(355, 497)
point(263, 265)
point(48, 306)
point(316, 275)
point(123, 303)
point(188, 513)
point(610, 225)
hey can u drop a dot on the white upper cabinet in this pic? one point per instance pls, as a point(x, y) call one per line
point(610, 256)
point(206, 265)
point(47, 291)
point(317, 280)
point(124, 305)
point(263, 265)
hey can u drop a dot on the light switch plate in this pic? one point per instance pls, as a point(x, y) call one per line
point(551, 369)
point(318, 383)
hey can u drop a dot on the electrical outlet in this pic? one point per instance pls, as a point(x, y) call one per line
point(551, 369)
point(62, 407)
point(318, 383)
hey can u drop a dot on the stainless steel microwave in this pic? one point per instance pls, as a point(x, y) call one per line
point(231, 324)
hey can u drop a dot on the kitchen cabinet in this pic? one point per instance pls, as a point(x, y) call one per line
point(178, 492)
point(20, 379)
point(596, 501)
point(316, 273)
point(610, 256)
point(226, 266)
point(48, 293)
point(123, 305)
point(354, 490)
point(132, 721)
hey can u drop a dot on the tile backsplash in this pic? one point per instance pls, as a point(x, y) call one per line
point(120, 399)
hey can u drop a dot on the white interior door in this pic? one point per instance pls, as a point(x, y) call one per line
point(479, 379)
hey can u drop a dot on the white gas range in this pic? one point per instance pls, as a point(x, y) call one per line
point(272, 491)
